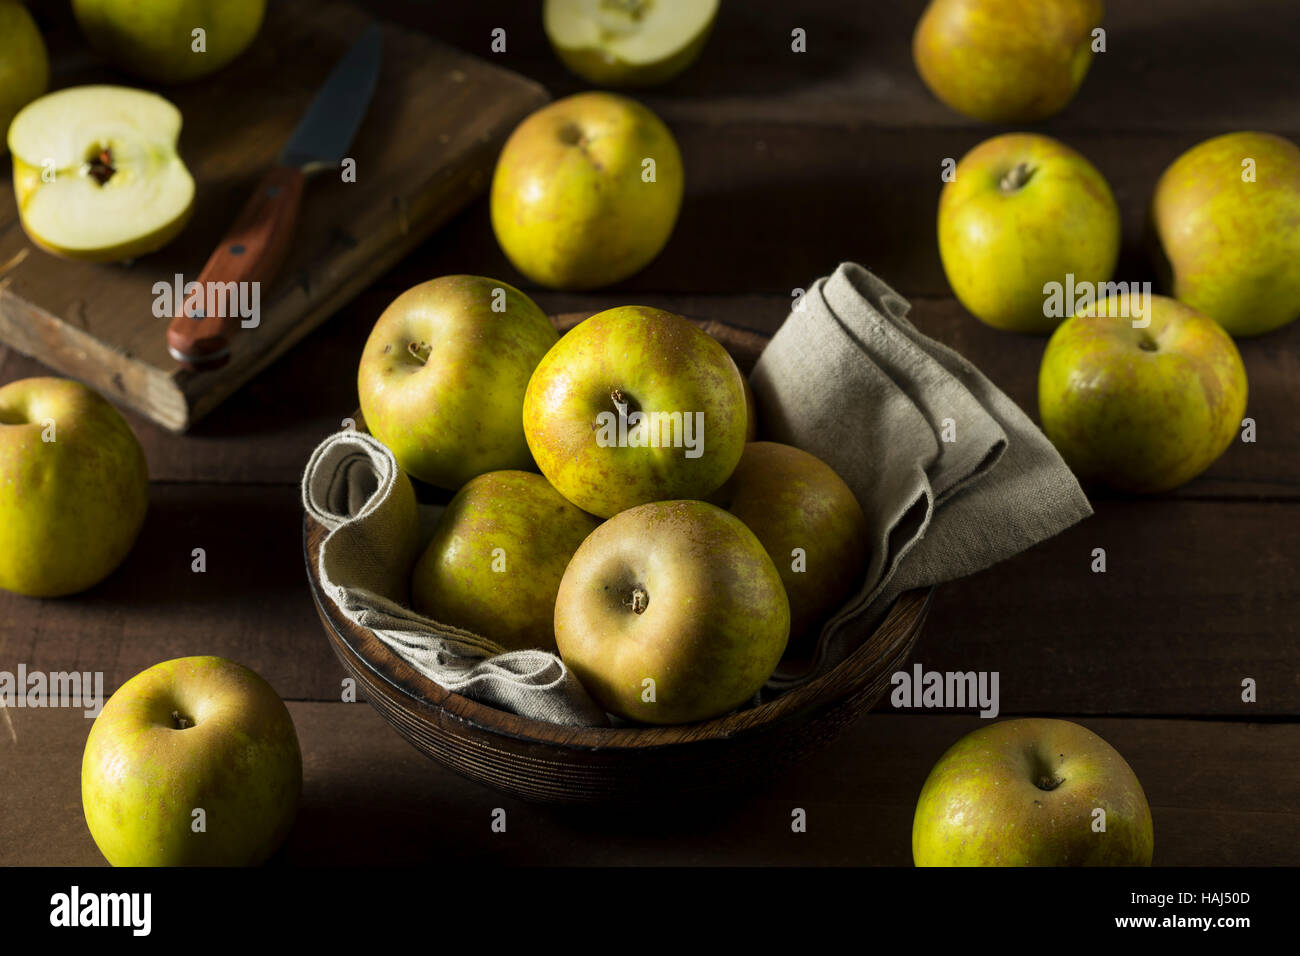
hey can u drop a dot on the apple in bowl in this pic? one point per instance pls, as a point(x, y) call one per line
point(635, 405)
point(671, 613)
point(193, 762)
point(1032, 792)
point(443, 374)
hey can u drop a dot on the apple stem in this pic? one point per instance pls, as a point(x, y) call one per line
point(181, 722)
point(420, 350)
point(1016, 178)
point(639, 600)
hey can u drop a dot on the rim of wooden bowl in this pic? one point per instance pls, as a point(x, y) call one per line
point(879, 654)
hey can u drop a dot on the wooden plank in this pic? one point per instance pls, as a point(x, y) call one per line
point(1220, 796)
point(265, 432)
point(1170, 64)
point(1196, 598)
point(425, 149)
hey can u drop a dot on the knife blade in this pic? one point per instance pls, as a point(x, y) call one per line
point(255, 247)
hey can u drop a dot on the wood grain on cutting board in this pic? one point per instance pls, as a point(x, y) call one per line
point(425, 149)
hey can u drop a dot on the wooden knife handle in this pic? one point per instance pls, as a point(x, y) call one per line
point(252, 251)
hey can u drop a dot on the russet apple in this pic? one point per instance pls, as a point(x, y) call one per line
point(24, 62)
point(156, 39)
point(810, 523)
point(633, 405)
point(628, 42)
point(496, 558)
point(97, 175)
point(1027, 793)
point(74, 487)
point(586, 191)
point(1227, 216)
point(1006, 61)
point(193, 762)
point(443, 374)
point(1141, 409)
point(1024, 210)
point(671, 612)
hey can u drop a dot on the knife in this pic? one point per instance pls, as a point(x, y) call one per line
point(256, 245)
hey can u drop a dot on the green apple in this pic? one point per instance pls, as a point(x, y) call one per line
point(24, 64)
point(634, 405)
point(1027, 793)
point(159, 40)
point(97, 175)
point(1227, 216)
point(443, 374)
point(1023, 211)
point(810, 523)
point(1141, 409)
point(193, 762)
point(1006, 61)
point(496, 558)
point(74, 487)
point(628, 42)
point(586, 191)
point(671, 612)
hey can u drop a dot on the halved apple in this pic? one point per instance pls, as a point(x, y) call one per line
point(628, 42)
point(96, 172)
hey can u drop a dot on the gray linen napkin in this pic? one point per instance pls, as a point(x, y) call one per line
point(354, 488)
point(847, 378)
point(952, 475)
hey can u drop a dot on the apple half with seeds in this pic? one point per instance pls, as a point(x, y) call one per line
point(628, 42)
point(97, 175)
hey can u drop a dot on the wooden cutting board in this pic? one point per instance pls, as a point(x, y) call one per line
point(426, 148)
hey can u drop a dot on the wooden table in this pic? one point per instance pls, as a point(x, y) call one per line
point(794, 162)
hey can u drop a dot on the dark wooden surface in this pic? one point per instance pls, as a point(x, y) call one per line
point(794, 163)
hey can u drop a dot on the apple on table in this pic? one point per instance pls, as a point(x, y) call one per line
point(1024, 210)
point(1032, 792)
point(586, 191)
point(193, 762)
point(74, 487)
point(628, 42)
point(1143, 408)
point(1226, 214)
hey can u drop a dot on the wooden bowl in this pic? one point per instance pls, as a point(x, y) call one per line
point(553, 764)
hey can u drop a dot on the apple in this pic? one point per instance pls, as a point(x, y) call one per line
point(810, 523)
point(1026, 793)
point(157, 39)
point(634, 405)
point(74, 487)
point(97, 175)
point(671, 612)
point(188, 735)
point(586, 191)
point(628, 42)
point(24, 63)
point(1006, 61)
point(751, 412)
point(1024, 210)
point(1227, 217)
point(496, 558)
point(1141, 409)
point(443, 374)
